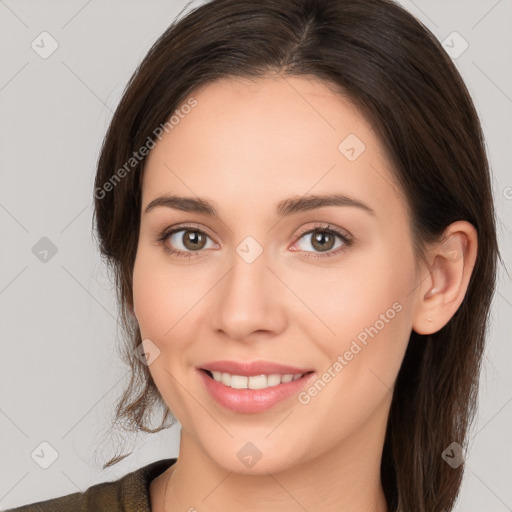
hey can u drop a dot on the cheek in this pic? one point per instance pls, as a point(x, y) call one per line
point(370, 314)
point(159, 305)
point(367, 288)
point(151, 304)
point(162, 294)
point(366, 311)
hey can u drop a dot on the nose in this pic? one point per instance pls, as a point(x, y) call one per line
point(250, 301)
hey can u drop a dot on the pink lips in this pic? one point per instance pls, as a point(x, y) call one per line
point(252, 400)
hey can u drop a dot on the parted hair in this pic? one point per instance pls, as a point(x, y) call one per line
point(395, 71)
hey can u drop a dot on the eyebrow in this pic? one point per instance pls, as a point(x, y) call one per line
point(286, 207)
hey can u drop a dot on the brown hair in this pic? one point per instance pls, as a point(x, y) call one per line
point(394, 69)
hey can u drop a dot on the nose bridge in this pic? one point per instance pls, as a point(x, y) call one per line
point(248, 281)
point(247, 300)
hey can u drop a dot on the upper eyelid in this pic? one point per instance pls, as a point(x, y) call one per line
point(326, 227)
point(193, 227)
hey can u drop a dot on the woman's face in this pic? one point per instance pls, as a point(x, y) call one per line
point(253, 283)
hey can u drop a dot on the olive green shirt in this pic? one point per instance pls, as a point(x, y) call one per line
point(127, 494)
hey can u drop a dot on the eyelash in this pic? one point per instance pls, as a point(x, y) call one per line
point(345, 238)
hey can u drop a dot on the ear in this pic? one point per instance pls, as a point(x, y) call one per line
point(444, 286)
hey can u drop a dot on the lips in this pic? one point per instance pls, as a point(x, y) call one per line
point(252, 368)
point(252, 400)
point(252, 387)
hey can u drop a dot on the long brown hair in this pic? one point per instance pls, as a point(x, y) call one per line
point(394, 69)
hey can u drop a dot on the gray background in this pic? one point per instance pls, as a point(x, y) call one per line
point(59, 370)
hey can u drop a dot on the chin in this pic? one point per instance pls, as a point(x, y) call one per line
point(252, 458)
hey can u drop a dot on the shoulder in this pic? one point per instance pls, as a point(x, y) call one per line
point(125, 493)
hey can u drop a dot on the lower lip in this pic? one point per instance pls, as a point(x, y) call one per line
point(252, 400)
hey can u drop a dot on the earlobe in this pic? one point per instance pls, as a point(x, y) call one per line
point(451, 264)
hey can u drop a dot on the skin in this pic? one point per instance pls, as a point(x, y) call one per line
point(245, 147)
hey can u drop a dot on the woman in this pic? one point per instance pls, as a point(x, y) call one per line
point(295, 200)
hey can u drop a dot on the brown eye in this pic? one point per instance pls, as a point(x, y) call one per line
point(187, 240)
point(322, 240)
point(193, 240)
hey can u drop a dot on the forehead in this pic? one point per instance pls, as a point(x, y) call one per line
point(265, 139)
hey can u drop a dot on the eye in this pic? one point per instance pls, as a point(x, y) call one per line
point(323, 239)
point(184, 241)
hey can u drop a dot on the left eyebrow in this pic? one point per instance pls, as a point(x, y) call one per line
point(284, 208)
point(305, 203)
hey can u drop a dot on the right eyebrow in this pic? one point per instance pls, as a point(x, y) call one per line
point(186, 204)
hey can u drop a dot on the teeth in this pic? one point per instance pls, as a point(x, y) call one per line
point(254, 382)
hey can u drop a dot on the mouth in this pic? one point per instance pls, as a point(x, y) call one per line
point(261, 381)
point(253, 393)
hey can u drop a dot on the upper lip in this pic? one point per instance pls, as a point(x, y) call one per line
point(252, 368)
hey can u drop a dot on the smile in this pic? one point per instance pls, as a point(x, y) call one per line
point(253, 382)
point(254, 393)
